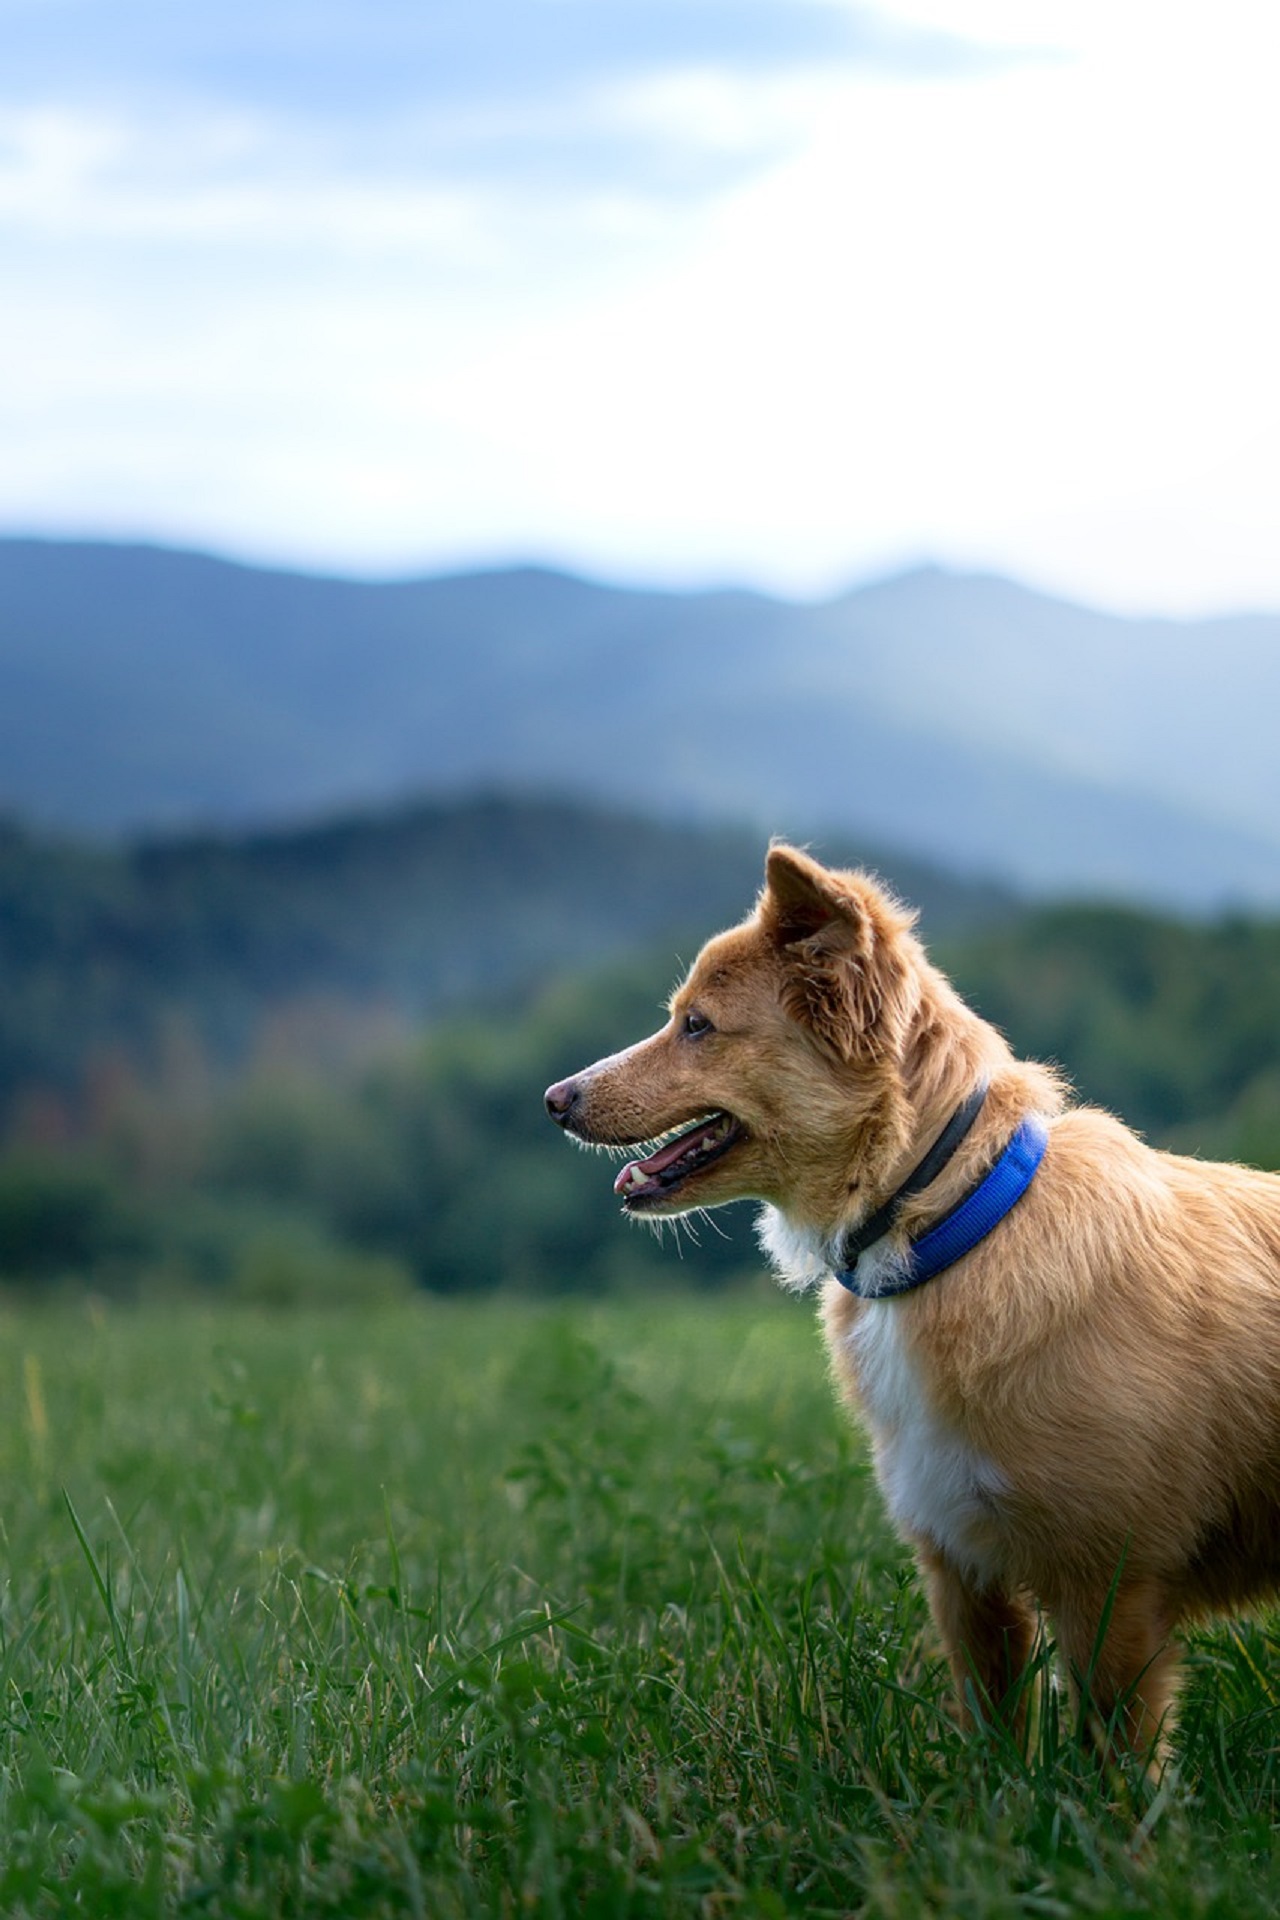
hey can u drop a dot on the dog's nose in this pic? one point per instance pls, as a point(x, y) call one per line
point(561, 1100)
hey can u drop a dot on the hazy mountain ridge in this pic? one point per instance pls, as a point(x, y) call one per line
point(1156, 703)
point(964, 718)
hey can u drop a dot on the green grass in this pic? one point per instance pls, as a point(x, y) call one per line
point(508, 1610)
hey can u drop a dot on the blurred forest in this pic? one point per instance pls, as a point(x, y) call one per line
point(309, 1066)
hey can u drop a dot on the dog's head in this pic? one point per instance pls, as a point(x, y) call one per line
point(784, 1041)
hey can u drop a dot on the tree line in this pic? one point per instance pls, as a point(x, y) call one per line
point(333, 935)
point(423, 1159)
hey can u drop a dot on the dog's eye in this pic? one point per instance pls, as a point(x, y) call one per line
point(695, 1025)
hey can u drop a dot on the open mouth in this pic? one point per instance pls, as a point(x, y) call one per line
point(678, 1160)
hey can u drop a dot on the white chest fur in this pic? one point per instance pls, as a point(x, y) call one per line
point(935, 1483)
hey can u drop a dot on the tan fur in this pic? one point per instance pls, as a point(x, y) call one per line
point(1100, 1377)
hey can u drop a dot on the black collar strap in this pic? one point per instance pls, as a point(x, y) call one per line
point(858, 1239)
point(959, 1232)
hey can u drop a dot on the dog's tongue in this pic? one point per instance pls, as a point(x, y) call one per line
point(637, 1171)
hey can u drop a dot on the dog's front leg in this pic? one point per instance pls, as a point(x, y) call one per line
point(1123, 1669)
point(988, 1636)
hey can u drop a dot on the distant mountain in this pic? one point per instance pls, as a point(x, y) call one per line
point(964, 719)
point(189, 953)
point(1183, 710)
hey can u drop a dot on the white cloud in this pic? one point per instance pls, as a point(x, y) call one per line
point(1022, 315)
point(75, 176)
point(965, 318)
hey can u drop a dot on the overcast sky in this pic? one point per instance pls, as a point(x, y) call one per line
point(786, 292)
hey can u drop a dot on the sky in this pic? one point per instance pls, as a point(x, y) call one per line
point(784, 293)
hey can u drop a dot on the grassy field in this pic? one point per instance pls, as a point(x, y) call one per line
point(524, 1611)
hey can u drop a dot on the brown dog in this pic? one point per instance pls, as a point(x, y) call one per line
point(1071, 1375)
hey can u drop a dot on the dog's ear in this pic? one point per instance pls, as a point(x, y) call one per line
point(846, 952)
point(800, 897)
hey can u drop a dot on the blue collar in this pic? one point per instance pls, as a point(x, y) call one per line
point(968, 1222)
